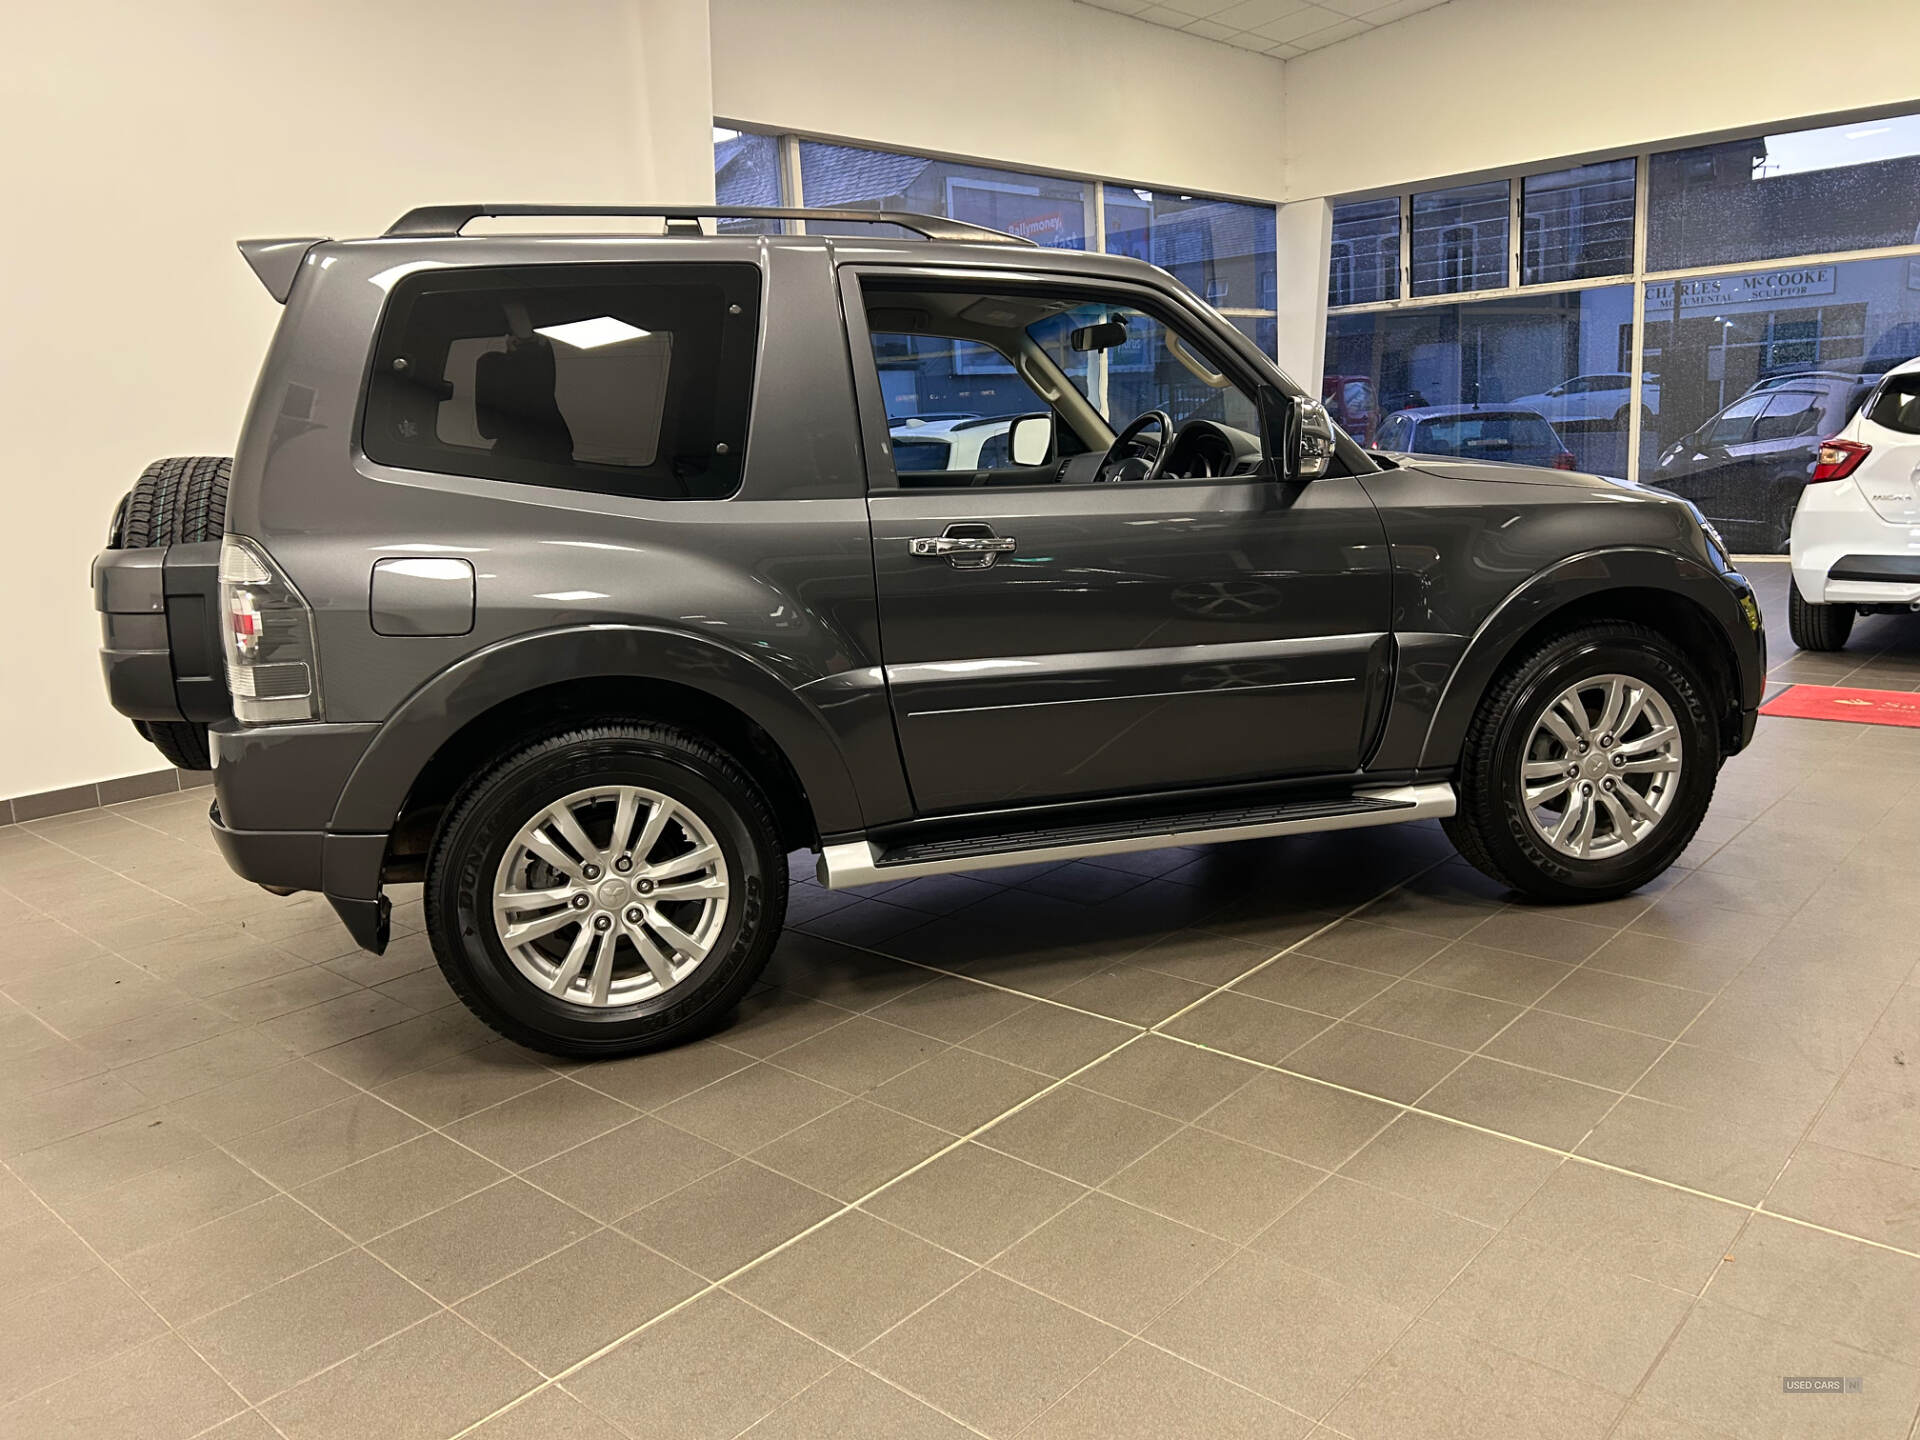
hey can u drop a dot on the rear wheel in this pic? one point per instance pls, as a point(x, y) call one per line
point(1816, 626)
point(606, 890)
point(178, 501)
point(1588, 767)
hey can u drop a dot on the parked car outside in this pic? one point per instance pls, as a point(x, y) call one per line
point(942, 445)
point(1601, 399)
point(576, 579)
point(1353, 404)
point(1474, 432)
point(1855, 546)
point(1747, 466)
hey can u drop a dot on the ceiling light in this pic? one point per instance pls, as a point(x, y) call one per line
point(592, 334)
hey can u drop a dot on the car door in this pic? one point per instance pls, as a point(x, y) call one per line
point(1051, 636)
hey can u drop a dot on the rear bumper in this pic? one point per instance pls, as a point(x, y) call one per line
point(1846, 553)
point(276, 787)
point(344, 868)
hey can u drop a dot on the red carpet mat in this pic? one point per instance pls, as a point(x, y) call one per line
point(1834, 702)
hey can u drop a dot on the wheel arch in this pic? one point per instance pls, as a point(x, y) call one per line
point(1670, 593)
point(525, 686)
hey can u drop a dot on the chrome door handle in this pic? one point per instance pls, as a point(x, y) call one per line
point(963, 552)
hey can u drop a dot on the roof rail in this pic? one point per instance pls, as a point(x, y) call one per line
point(445, 220)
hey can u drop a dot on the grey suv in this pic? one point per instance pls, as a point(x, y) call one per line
point(577, 577)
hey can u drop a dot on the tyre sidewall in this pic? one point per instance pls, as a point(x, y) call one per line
point(460, 886)
point(1513, 838)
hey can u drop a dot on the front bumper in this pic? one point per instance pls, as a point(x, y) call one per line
point(1747, 636)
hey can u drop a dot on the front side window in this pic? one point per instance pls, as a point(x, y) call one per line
point(1790, 413)
point(1732, 425)
point(628, 380)
point(959, 371)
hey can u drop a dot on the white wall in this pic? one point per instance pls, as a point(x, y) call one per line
point(1041, 83)
point(143, 138)
point(1496, 84)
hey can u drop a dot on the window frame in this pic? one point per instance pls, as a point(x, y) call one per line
point(1193, 325)
point(736, 355)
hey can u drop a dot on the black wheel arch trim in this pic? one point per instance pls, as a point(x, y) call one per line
point(1723, 596)
point(378, 787)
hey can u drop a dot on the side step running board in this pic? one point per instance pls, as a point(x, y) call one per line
point(860, 862)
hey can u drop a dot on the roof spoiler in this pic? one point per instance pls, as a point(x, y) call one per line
point(277, 262)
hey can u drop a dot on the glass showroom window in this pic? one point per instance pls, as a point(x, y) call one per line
point(1041, 208)
point(746, 171)
point(1223, 250)
point(1460, 239)
point(1552, 369)
point(1754, 369)
point(1804, 192)
point(1366, 253)
point(1577, 224)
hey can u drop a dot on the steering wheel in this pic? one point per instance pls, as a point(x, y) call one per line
point(1130, 457)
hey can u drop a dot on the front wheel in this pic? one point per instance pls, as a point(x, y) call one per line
point(609, 889)
point(1588, 766)
point(1815, 626)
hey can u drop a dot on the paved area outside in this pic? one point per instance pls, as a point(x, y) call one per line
point(1324, 1137)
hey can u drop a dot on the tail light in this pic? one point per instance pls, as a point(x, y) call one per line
point(1839, 458)
point(268, 636)
point(1563, 461)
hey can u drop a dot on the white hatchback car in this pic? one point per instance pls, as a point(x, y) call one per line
point(1856, 530)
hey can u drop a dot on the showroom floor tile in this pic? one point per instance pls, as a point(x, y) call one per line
point(1328, 1137)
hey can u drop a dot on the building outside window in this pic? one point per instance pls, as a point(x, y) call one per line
point(1223, 250)
point(1698, 318)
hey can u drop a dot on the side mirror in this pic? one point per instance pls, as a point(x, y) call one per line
point(1030, 440)
point(1298, 435)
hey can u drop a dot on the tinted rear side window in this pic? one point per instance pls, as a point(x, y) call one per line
point(628, 379)
point(1897, 406)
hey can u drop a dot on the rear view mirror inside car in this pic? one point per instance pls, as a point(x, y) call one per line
point(1107, 335)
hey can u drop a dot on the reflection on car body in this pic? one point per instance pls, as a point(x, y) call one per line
point(1747, 466)
point(1473, 432)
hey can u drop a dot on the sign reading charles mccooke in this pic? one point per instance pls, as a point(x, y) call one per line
point(1761, 287)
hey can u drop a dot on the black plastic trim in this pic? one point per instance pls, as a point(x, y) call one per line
point(1099, 832)
point(1891, 569)
point(444, 220)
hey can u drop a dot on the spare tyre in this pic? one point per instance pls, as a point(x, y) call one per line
point(177, 501)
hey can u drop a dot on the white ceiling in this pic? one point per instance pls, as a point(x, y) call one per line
point(1281, 28)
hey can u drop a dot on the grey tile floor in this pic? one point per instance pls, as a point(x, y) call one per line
point(1326, 1137)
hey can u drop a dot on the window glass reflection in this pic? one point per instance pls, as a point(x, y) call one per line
point(1577, 224)
point(1561, 360)
point(1842, 187)
point(1753, 370)
point(1041, 208)
point(1366, 252)
point(1222, 251)
point(746, 171)
point(1460, 239)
